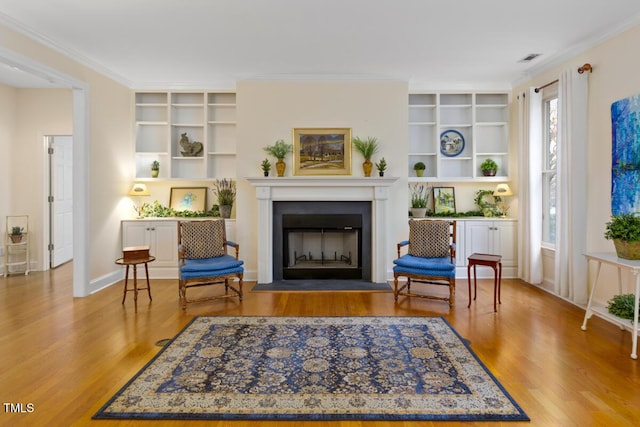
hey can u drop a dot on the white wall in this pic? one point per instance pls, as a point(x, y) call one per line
point(615, 76)
point(269, 110)
point(39, 112)
point(8, 99)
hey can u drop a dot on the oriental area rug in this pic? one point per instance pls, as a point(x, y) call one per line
point(315, 368)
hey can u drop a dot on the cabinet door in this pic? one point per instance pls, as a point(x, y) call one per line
point(461, 259)
point(164, 238)
point(135, 233)
point(478, 237)
point(505, 242)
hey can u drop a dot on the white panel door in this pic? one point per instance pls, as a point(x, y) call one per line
point(61, 200)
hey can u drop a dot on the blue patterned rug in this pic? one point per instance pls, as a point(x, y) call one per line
point(315, 368)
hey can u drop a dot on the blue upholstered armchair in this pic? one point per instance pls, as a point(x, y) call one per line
point(203, 259)
point(430, 259)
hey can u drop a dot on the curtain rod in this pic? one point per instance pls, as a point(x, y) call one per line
point(585, 67)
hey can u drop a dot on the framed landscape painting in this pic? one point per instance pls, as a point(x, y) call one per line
point(322, 151)
point(444, 200)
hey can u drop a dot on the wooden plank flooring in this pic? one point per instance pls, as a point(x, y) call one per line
point(67, 356)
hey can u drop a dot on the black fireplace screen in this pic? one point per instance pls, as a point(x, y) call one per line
point(322, 246)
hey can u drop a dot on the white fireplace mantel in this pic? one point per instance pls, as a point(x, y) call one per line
point(333, 188)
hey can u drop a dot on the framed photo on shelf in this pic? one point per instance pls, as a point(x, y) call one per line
point(322, 151)
point(188, 199)
point(444, 200)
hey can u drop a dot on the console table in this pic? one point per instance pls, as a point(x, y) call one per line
point(620, 263)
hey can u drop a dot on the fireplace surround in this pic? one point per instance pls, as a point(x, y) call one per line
point(332, 189)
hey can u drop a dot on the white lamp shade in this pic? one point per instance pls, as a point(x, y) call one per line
point(139, 190)
point(502, 190)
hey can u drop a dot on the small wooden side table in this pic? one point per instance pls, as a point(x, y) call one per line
point(135, 262)
point(489, 260)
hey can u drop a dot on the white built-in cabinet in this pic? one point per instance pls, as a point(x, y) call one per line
point(161, 235)
point(498, 236)
point(482, 120)
point(207, 117)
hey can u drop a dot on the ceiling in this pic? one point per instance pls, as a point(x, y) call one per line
point(214, 43)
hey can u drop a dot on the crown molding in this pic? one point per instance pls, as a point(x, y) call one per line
point(70, 53)
point(577, 49)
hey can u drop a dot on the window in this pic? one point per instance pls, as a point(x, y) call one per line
point(549, 178)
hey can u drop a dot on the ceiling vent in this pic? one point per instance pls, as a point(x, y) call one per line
point(530, 57)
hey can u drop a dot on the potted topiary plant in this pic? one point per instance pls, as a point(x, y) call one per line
point(279, 150)
point(266, 167)
point(489, 167)
point(624, 230)
point(381, 166)
point(155, 168)
point(367, 147)
point(419, 168)
point(16, 234)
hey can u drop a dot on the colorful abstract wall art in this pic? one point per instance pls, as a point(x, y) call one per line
point(625, 168)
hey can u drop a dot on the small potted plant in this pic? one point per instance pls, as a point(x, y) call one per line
point(489, 167)
point(279, 150)
point(419, 168)
point(16, 234)
point(155, 168)
point(381, 166)
point(266, 167)
point(225, 191)
point(367, 147)
point(624, 230)
point(419, 200)
point(622, 306)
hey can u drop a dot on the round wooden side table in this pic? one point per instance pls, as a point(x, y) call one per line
point(135, 262)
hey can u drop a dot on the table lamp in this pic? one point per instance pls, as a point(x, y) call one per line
point(502, 191)
point(139, 190)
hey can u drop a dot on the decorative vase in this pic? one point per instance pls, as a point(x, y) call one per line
point(627, 250)
point(154, 173)
point(418, 212)
point(381, 173)
point(367, 166)
point(419, 172)
point(266, 173)
point(281, 166)
point(225, 211)
point(16, 238)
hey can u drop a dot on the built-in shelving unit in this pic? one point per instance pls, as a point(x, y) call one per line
point(207, 117)
point(481, 118)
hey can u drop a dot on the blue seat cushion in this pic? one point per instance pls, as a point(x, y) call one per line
point(218, 266)
point(424, 266)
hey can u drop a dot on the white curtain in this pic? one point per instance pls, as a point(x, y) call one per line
point(530, 186)
point(571, 201)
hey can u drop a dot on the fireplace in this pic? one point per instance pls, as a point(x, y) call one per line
point(322, 240)
point(270, 192)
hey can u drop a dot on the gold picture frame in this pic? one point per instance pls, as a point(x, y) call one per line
point(321, 151)
point(188, 199)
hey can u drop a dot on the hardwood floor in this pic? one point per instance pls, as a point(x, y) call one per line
point(67, 356)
